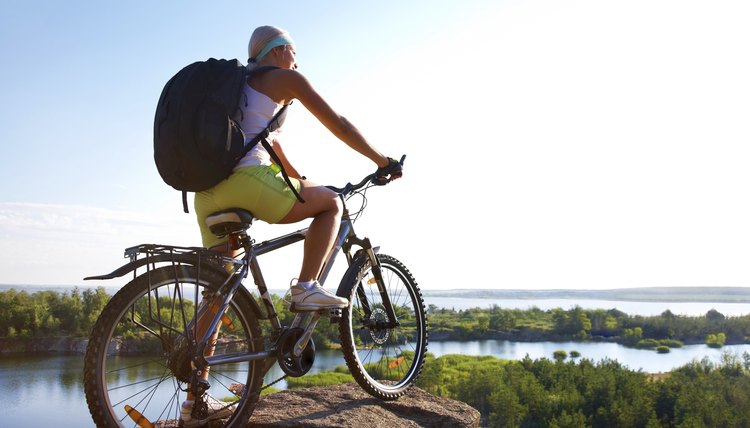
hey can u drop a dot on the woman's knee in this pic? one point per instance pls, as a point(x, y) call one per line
point(318, 200)
point(325, 200)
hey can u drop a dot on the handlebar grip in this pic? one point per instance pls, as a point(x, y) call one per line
point(388, 173)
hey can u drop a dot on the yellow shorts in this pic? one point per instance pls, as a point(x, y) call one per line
point(258, 189)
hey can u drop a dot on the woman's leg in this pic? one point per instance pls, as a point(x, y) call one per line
point(325, 208)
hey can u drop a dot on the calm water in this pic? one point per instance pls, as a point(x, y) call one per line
point(48, 391)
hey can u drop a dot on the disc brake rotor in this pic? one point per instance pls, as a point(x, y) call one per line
point(378, 317)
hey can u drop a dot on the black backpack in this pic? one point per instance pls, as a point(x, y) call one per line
point(197, 142)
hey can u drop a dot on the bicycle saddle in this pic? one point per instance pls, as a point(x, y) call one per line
point(227, 222)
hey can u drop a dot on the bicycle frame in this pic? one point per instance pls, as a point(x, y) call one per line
point(195, 326)
point(345, 240)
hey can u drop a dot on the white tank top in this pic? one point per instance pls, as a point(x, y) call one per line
point(256, 110)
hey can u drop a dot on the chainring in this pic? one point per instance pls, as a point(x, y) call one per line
point(291, 365)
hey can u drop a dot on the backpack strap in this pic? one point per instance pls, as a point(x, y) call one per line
point(262, 137)
point(275, 157)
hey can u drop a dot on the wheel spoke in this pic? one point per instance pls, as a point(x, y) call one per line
point(139, 356)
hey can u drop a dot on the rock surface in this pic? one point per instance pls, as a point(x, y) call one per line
point(348, 405)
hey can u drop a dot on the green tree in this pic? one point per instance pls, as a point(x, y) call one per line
point(569, 420)
point(631, 336)
point(507, 410)
point(502, 321)
point(479, 385)
point(716, 340)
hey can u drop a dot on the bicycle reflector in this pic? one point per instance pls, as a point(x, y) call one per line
point(138, 418)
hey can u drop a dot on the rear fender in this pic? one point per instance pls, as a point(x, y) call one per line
point(190, 259)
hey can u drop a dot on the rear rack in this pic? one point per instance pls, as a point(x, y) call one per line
point(149, 255)
point(148, 250)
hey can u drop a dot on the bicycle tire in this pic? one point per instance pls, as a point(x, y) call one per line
point(385, 361)
point(113, 374)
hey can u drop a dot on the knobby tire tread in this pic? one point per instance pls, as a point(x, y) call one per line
point(351, 280)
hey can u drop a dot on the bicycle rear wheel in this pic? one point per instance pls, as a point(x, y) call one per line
point(137, 365)
point(384, 355)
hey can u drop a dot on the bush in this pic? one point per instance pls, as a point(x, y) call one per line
point(716, 340)
point(647, 344)
point(672, 343)
point(662, 349)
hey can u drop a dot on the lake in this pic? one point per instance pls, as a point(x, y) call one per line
point(42, 391)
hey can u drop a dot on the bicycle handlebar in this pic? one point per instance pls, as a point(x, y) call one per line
point(350, 188)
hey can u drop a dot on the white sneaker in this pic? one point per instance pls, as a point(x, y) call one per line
point(216, 410)
point(314, 299)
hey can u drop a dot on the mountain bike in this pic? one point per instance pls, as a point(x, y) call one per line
point(186, 323)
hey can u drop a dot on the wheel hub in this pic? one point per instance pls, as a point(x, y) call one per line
point(377, 322)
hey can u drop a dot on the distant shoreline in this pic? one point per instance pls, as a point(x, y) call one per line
point(641, 294)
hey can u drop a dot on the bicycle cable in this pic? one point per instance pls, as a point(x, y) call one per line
point(361, 193)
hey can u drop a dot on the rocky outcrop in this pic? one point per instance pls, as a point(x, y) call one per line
point(348, 405)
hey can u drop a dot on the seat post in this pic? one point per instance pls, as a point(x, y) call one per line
point(234, 243)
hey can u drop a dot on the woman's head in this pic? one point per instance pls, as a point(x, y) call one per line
point(266, 38)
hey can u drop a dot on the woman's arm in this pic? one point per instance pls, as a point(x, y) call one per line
point(290, 170)
point(290, 84)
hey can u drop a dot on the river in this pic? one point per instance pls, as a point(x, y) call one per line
point(47, 390)
point(42, 391)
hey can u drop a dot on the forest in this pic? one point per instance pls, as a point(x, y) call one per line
point(577, 324)
point(573, 394)
point(50, 313)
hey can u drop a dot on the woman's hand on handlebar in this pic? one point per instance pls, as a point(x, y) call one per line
point(390, 172)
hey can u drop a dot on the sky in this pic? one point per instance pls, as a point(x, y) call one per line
point(585, 144)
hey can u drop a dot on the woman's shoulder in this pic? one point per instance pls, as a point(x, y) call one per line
point(290, 82)
point(281, 85)
point(285, 74)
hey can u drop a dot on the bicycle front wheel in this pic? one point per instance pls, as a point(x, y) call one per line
point(384, 330)
point(138, 361)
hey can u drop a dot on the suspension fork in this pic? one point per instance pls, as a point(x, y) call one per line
point(371, 253)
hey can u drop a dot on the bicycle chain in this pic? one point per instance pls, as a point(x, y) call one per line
point(272, 383)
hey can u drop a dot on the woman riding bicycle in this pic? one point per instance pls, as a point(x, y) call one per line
point(256, 183)
point(258, 186)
